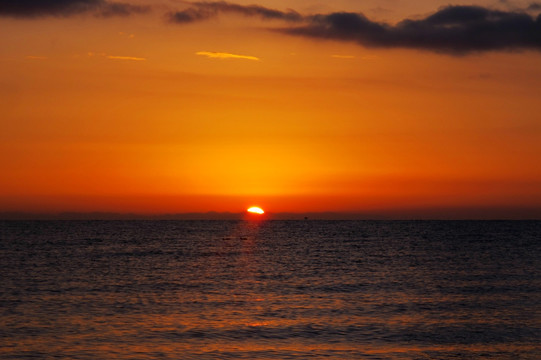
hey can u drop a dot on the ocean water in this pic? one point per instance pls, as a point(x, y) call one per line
point(270, 290)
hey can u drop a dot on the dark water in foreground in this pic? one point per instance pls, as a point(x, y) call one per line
point(270, 290)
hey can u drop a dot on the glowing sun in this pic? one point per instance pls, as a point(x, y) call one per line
point(255, 210)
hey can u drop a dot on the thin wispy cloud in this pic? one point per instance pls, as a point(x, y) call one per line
point(222, 55)
point(452, 29)
point(126, 35)
point(40, 8)
point(129, 58)
point(206, 10)
point(116, 57)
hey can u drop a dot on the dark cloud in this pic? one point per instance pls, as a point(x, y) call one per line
point(206, 10)
point(37, 8)
point(453, 29)
point(534, 7)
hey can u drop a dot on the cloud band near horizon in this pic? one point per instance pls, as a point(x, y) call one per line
point(452, 29)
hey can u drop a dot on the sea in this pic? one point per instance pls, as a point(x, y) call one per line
point(303, 289)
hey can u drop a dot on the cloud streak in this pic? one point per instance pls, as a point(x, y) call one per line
point(452, 29)
point(132, 58)
point(116, 57)
point(206, 10)
point(64, 8)
point(222, 55)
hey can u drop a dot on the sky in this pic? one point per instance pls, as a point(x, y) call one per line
point(406, 109)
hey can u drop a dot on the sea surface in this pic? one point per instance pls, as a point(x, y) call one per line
point(270, 290)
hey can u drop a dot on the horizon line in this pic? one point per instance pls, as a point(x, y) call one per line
point(527, 214)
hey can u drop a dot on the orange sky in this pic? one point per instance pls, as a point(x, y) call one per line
point(139, 114)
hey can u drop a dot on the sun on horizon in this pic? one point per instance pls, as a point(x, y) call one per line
point(255, 210)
